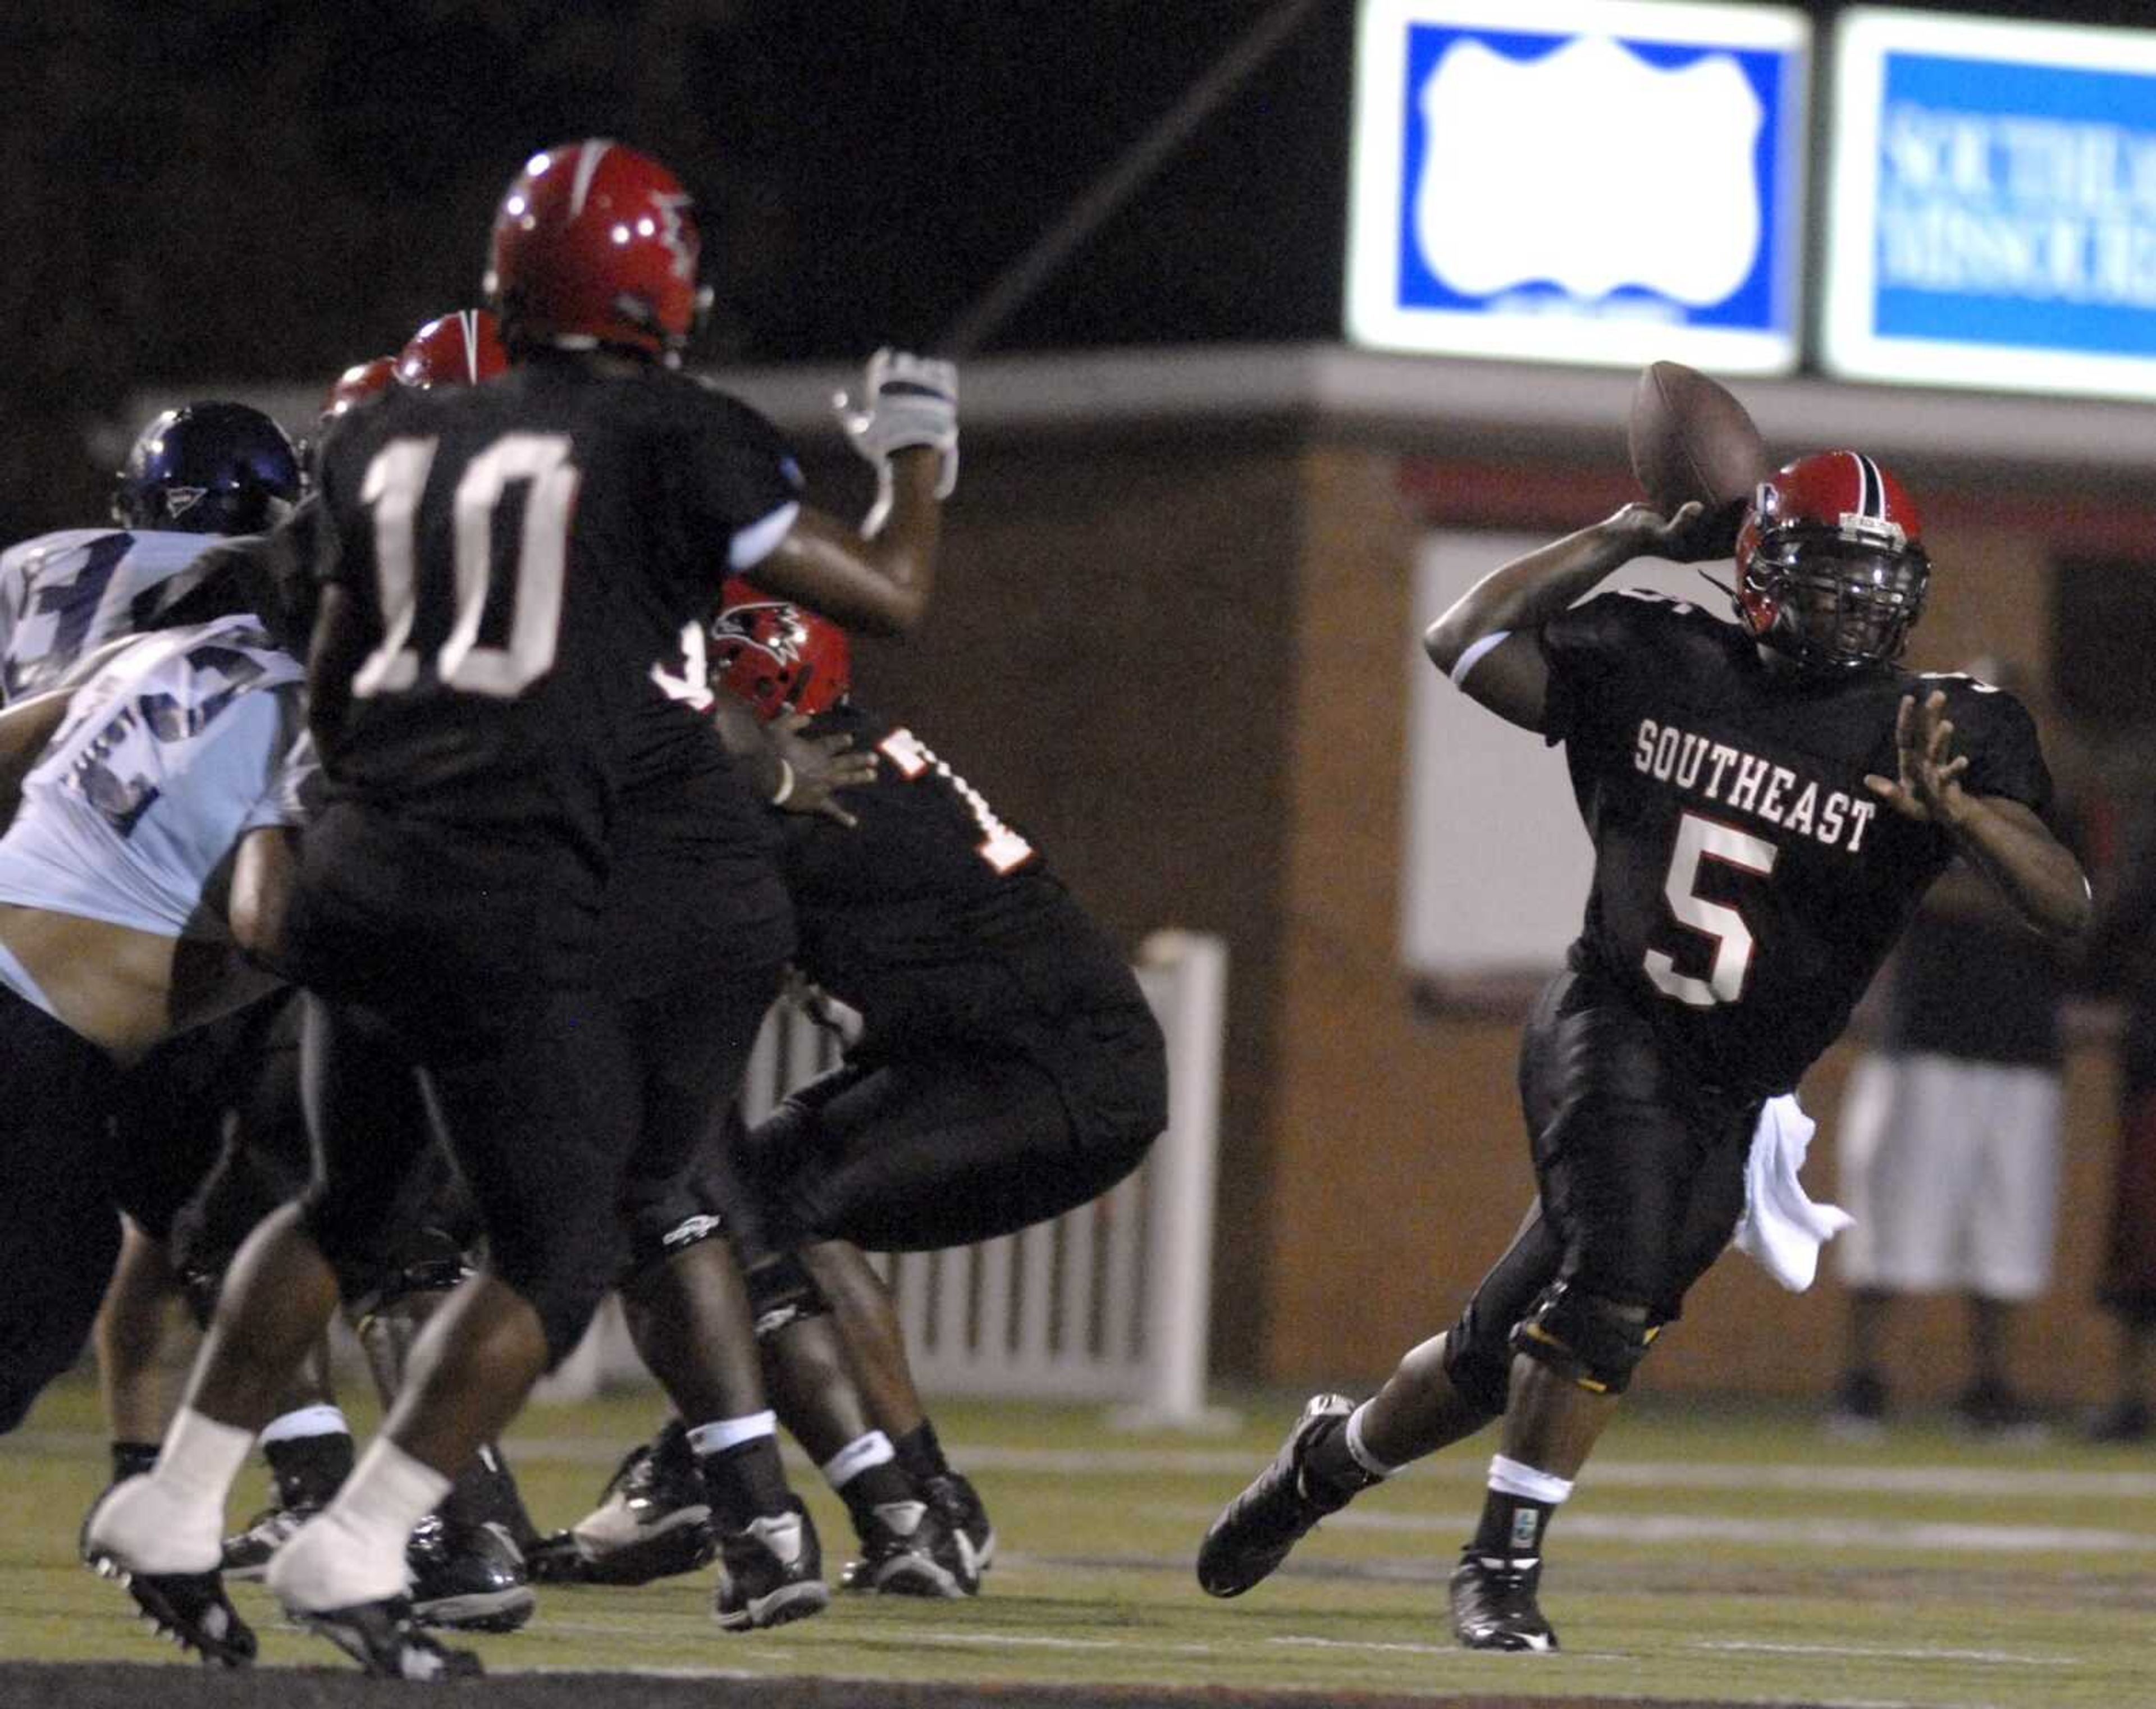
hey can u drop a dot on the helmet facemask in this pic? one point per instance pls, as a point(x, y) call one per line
point(1830, 602)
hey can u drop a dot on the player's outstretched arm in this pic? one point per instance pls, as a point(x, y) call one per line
point(903, 421)
point(1486, 644)
point(2001, 838)
point(879, 581)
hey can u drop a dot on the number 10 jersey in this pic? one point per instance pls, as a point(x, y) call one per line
point(522, 554)
point(1746, 884)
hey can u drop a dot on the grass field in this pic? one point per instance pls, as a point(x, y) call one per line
point(1714, 1555)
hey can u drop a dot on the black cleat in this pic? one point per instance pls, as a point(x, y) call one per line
point(191, 1609)
point(1256, 1531)
point(1493, 1603)
point(385, 1641)
point(960, 1504)
point(472, 1578)
point(772, 1572)
point(653, 1521)
point(246, 1553)
point(908, 1549)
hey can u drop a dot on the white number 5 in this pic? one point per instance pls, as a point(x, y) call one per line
point(1706, 839)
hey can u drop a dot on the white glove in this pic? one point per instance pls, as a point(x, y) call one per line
point(905, 401)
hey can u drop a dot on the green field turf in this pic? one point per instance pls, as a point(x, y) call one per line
point(1719, 1554)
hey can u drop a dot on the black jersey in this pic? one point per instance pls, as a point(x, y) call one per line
point(1747, 885)
point(526, 551)
point(937, 917)
point(694, 884)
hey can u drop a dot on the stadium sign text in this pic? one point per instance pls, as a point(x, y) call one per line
point(1994, 205)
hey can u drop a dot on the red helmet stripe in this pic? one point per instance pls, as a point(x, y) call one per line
point(588, 165)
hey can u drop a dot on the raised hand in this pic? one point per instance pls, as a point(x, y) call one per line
point(905, 401)
point(817, 768)
point(1929, 787)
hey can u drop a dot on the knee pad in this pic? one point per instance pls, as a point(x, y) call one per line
point(431, 1262)
point(1595, 1343)
point(665, 1230)
point(783, 1292)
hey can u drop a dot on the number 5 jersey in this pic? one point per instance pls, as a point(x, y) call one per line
point(1747, 885)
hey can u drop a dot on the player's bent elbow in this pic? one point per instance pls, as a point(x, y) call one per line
point(1443, 645)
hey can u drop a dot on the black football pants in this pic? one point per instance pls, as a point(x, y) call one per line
point(1640, 1170)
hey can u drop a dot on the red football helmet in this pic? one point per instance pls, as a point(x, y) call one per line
point(777, 656)
point(357, 384)
point(462, 349)
point(595, 244)
point(1830, 568)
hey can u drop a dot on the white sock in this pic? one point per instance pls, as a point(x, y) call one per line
point(722, 1434)
point(355, 1551)
point(1358, 1452)
point(199, 1459)
point(1513, 1477)
point(322, 1420)
point(172, 1520)
point(856, 1457)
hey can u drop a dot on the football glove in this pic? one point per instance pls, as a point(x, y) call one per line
point(904, 401)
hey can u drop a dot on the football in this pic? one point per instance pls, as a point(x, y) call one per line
point(1690, 439)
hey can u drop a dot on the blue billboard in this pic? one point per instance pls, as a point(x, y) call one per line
point(1994, 205)
point(1597, 181)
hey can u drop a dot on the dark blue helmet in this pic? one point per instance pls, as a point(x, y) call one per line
point(209, 469)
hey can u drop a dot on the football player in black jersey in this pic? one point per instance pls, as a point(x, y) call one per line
point(1767, 800)
point(1007, 1068)
point(503, 566)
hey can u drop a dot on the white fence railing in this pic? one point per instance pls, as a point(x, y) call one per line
point(1111, 1303)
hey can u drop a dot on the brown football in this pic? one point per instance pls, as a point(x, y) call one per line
point(1690, 439)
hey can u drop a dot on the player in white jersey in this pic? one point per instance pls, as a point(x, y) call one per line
point(194, 476)
point(127, 826)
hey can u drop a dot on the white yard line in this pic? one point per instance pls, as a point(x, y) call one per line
point(1862, 1652)
point(2015, 1480)
point(1649, 1529)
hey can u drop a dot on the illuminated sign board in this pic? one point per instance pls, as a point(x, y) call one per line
point(1993, 204)
point(1588, 181)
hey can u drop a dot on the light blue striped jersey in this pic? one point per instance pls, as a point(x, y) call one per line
point(66, 594)
point(177, 746)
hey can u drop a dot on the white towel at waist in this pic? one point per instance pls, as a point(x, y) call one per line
point(1781, 1229)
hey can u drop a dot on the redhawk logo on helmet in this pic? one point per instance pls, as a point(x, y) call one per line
point(777, 656)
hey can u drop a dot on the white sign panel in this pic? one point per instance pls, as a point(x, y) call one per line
point(1596, 180)
point(1497, 862)
point(1993, 204)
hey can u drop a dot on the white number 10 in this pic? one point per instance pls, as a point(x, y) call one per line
point(394, 484)
point(1706, 839)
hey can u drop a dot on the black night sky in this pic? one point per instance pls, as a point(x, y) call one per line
point(217, 191)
